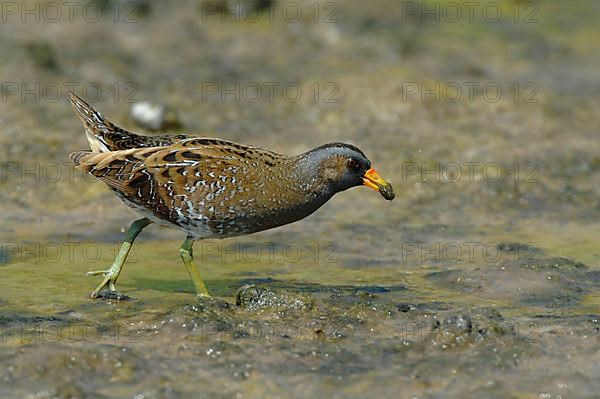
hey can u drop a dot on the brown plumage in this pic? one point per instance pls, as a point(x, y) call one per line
point(216, 188)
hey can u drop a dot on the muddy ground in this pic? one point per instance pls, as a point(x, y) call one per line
point(480, 280)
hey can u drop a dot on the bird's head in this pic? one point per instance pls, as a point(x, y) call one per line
point(341, 166)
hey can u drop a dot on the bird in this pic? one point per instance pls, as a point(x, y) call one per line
point(210, 187)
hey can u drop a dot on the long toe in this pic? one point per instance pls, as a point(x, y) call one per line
point(97, 273)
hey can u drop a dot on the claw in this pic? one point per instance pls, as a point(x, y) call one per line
point(108, 282)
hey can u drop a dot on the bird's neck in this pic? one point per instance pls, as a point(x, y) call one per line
point(305, 168)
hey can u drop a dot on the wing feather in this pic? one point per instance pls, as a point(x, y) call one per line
point(164, 179)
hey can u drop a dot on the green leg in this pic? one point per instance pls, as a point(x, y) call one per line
point(111, 275)
point(187, 256)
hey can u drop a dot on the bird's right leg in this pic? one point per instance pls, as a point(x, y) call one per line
point(111, 275)
point(187, 256)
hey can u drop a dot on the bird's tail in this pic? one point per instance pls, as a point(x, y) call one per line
point(79, 158)
point(104, 136)
point(101, 133)
point(88, 161)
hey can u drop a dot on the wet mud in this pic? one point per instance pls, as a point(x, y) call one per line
point(480, 279)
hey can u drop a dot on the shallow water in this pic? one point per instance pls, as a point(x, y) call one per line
point(483, 283)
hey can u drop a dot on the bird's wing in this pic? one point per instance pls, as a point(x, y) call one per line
point(173, 179)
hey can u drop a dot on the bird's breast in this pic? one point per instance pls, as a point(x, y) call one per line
point(233, 207)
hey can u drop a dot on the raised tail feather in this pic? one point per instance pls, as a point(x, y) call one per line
point(115, 168)
point(79, 157)
point(96, 126)
point(90, 161)
point(103, 135)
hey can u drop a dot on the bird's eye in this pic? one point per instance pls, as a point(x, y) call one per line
point(352, 163)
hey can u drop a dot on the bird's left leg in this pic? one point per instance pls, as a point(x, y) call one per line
point(111, 275)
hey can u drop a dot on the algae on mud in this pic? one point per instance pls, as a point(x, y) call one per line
point(467, 285)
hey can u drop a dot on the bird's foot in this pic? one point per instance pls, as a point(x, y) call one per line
point(110, 277)
point(203, 294)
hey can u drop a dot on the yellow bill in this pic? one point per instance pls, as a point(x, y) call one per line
point(373, 180)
